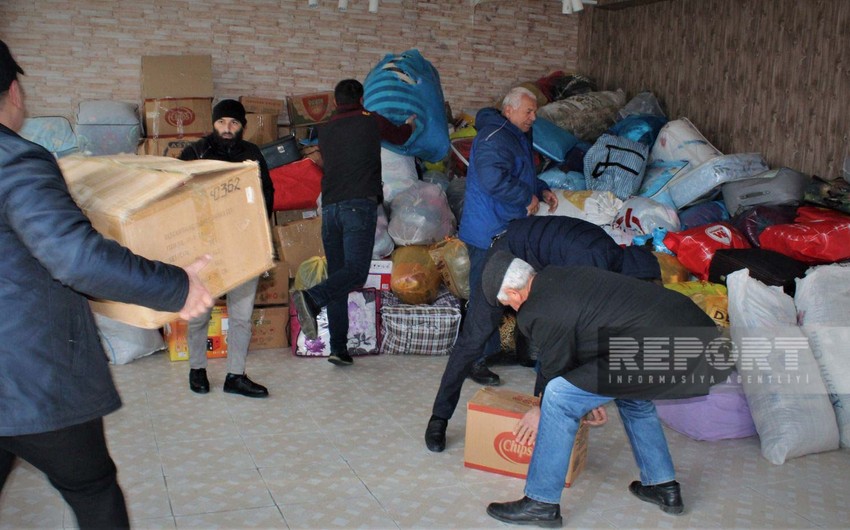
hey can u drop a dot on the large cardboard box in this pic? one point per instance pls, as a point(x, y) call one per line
point(299, 240)
point(260, 129)
point(257, 105)
point(177, 76)
point(282, 217)
point(178, 117)
point(177, 335)
point(490, 444)
point(309, 109)
point(273, 287)
point(171, 147)
point(174, 211)
point(269, 326)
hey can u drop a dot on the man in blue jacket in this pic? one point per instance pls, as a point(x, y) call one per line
point(55, 385)
point(501, 185)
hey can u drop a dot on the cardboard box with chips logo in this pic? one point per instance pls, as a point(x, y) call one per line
point(491, 446)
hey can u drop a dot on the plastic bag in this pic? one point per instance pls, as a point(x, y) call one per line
point(420, 215)
point(597, 207)
point(384, 244)
point(452, 260)
point(398, 172)
point(696, 247)
point(415, 278)
point(312, 271)
point(640, 215)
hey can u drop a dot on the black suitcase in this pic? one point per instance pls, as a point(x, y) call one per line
point(767, 266)
point(281, 152)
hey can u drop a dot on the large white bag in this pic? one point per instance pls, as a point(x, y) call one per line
point(398, 172)
point(597, 207)
point(124, 343)
point(823, 305)
point(781, 378)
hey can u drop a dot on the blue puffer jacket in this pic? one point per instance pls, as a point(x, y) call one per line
point(53, 371)
point(500, 181)
point(566, 241)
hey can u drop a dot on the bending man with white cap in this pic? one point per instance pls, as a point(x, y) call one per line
point(592, 327)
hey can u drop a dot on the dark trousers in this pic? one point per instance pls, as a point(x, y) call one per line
point(480, 327)
point(77, 463)
point(348, 235)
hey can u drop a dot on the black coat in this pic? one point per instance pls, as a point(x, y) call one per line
point(569, 310)
point(207, 149)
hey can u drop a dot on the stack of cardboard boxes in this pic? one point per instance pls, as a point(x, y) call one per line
point(263, 115)
point(177, 92)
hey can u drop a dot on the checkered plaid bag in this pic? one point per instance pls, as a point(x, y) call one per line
point(419, 329)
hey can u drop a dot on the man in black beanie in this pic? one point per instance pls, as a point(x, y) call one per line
point(226, 143)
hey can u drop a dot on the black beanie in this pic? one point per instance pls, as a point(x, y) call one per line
point(229, 108)
point(494, 274)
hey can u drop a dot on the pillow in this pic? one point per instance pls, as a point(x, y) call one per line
point(552, 141)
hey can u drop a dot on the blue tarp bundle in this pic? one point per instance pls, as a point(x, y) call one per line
point(405, 84)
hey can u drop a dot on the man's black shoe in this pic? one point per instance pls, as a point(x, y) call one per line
point(240, 384)
point(435, 435)
point(198, 381)
point(307, 312)
point(527, 512)
point(483, 376)
point(341, 359)
point(668, 495)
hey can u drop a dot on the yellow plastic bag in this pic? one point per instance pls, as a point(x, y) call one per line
point(672, 271)
point(415, 279)
point(452, 260)
point(710, 297)
point(312, 271)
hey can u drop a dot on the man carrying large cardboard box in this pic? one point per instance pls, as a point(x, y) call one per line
point(55, 384)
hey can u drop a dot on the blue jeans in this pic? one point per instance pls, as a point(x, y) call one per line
point(563, 406)
point(348, 235)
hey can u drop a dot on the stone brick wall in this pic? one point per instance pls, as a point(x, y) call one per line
point(91, 49)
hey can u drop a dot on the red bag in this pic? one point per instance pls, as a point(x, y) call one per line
point(297, 186)
point(818, 235)
point(695, 247)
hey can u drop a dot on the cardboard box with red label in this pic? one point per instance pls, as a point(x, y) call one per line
point(491, 445)
point(380, 274)
point(178, 117)
point(309, 109)
point(273, 287)
point(269, 328)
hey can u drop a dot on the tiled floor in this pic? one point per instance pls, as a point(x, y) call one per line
point(342, 448)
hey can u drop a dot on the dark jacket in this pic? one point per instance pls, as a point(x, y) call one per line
point(350, 144)
point(53, 371)
point(566, 241)
point(207, 149)
point(569, 311)
point(500, 181)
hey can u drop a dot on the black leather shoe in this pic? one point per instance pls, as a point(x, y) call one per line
point(341, 359)
point(668, 496)
point(435, 435)
point(307, 312)
point(198, 381)
point(483, 376)
point(527, 512)
point(240, 384)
